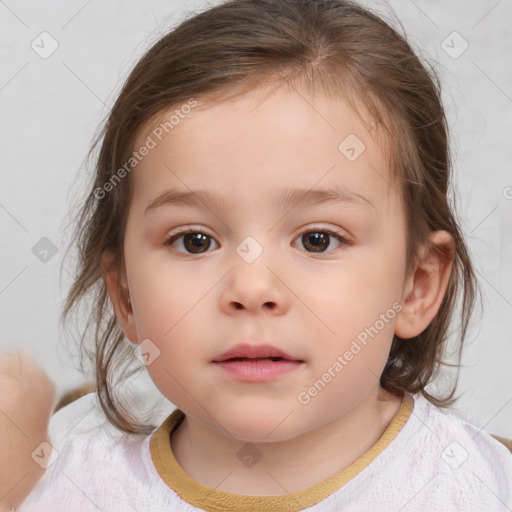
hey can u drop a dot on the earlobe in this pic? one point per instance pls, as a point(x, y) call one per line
point(425, 289)
point(119, 294)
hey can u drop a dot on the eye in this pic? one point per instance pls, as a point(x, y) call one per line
point(319, 240)
point(195, 241)
point(190, 241)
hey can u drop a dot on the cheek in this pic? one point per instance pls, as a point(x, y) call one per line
point(169, 307)
point(353, 296)
point(355, 309)
point(160, 294)
point(183, 347)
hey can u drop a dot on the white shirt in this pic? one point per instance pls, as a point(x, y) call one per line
point(426, 460)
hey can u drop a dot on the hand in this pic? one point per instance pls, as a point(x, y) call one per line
point(26, 404)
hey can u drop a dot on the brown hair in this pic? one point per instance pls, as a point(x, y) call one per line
point(333, 46)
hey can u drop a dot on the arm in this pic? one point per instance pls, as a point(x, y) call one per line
point(26, 402)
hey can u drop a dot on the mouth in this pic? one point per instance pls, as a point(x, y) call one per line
point(247, 351)
point(256, 363)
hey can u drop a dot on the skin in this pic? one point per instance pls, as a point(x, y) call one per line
point(26, 401)
point(312, 305)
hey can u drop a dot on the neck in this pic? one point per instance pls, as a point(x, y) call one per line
point(276, 468)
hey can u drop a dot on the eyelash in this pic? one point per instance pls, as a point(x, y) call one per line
point(172, 238)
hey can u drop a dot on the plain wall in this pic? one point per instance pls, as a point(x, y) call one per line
point(52, 107)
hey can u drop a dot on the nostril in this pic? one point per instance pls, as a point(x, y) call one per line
point(269, 305)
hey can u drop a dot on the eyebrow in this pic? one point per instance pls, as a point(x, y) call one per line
point(287, 198)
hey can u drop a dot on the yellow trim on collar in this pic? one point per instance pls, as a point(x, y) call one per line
point(214, 500)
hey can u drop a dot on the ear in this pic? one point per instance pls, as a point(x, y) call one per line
point(426, 287)
point(118, 293)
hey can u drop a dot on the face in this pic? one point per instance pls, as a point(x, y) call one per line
point(316, 277)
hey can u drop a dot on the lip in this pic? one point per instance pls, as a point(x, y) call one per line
point(252, 351)
point(252, 363)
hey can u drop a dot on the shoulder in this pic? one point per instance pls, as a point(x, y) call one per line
point(436, 461)
point(77, 419)
point(465, 463)
point(82, 424)
point(448, 425)
point(85, 447)
point(92, 459)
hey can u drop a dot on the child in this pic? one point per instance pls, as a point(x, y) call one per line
point(270, 222)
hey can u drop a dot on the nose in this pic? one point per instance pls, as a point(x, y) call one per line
point(255, 288)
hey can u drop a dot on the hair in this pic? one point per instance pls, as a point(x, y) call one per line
point(332, 46)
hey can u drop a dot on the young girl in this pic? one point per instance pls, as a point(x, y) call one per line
point(270, 222)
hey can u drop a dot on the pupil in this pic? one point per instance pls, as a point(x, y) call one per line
point(319, 241)
point(196, 241)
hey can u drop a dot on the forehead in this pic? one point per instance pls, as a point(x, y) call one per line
point(262, 141)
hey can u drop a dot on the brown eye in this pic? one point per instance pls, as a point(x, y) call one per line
point(196, 242)
point(190, 242)
point(320, 241)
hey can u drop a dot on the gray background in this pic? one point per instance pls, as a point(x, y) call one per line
point(51, 108)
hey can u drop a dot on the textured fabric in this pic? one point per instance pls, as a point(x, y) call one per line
point(215, 500)
point(435, 462)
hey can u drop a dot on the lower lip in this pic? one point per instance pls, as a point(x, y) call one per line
point(258, 370)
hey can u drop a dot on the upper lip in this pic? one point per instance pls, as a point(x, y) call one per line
point(254, 351)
